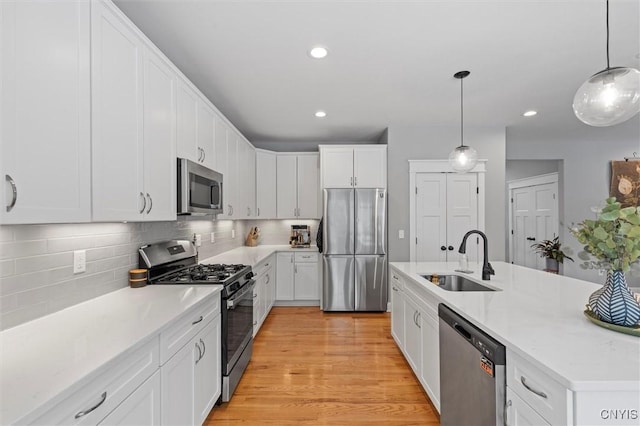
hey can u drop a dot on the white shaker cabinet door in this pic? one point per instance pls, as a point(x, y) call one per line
point(284, 287)
point(142, 407)
point(306, 281)
point(187, 122)
point(208, 374)
point(287, 204)
point(178, 392)
point(265, 185)
point(206, 134)
point(230, 179)
point(159, 138)
point(308, 187)
point(45, 112)
point(370, 167)
point(337, 168)
point(117, 145)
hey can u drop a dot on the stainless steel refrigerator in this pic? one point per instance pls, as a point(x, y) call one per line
point(355, 250)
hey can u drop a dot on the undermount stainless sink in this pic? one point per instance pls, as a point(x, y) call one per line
point(456, 283)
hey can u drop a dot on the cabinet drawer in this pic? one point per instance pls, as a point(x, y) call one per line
point(178, 333)
point(306, 257)
point(264, 266)
point(93, 402)
point(545, 395)
point(396, 280)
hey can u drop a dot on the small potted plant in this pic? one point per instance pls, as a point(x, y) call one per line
point(551, 251)
point(612, 242)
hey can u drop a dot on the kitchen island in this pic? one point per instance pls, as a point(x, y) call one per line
point(539, 317)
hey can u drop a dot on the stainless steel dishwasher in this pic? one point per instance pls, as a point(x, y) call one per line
point(472, 373)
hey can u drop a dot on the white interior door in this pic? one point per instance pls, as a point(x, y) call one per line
point(462, 213)
point(534, 218)
point(431, 217)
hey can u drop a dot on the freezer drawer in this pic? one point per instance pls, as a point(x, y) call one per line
point(370, 221)
point(338, 286)
point(338, 223)
point(370, 283)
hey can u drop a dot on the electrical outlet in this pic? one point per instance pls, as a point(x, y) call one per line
point(213, 238)
point(233, 233)
point(401, 234)
point(197, 239)
point(79, 261)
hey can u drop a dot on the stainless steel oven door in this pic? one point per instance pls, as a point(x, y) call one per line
point(237, 325)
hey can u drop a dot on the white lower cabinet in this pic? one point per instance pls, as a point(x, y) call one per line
point(208, 379)
point(397, 309)
point(414, 327)
point(430, 374)
point(263, 291)
point(412, 336)
point(519, 413)
point(191, 379)
point(142, 407)
point(298, 278)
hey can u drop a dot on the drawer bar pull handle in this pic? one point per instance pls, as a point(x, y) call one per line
point(530, 389)
point(85, 412)
point(197, 321)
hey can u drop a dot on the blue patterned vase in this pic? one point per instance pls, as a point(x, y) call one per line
point(614, 303)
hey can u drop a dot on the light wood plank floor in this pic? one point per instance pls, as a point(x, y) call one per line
point(310, 367)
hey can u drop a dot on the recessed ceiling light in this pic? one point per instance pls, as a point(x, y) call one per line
point(318, 52)
point(530, 113)
point(320, 114)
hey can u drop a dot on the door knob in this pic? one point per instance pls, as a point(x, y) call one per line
point(450, 247)
point(443, 248)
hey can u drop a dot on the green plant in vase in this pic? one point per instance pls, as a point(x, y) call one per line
point(551, 250)
point(612, 242)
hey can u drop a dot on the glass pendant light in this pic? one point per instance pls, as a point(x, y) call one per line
point(463, 158)
point(610, 96)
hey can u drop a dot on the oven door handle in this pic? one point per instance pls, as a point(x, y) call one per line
point(231, 302)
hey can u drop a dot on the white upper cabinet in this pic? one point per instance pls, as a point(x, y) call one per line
point(206, 132)
point(220, 147)
point(287, 186)
point(265, 184)
point(187, 122)
point(308, 179)
point(196, 128)
point(353, 166)
point(230, 179)
point(117, 146)
point(133, 134)
point(159, 137)
point(298, 186)
point(45, 112)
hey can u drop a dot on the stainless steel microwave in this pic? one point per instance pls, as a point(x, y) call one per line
point(199, 189)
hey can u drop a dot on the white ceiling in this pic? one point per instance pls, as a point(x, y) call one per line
point(390, 62)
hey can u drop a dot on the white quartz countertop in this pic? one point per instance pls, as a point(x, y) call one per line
point(252, 255)
point(50, 356)
point(540, 316)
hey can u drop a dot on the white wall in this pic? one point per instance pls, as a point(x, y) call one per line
point(586, 159)
point(432, 143)
point(36, 273)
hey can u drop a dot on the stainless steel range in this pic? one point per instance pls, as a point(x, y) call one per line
point(176, 262)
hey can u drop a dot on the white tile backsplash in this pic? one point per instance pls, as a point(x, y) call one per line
point(36, 273)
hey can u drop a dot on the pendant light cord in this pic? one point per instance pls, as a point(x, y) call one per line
point(462, 112)
point(608, 35)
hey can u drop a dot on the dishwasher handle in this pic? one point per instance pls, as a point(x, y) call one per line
point(462, 331)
